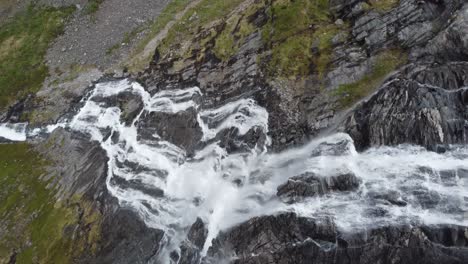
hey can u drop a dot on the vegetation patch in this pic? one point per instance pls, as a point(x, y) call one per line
point(190, 24)
point(383, 5)
point(92, 6)
point(384, 64)
point(34, 225)
point(236, 29)
point(23, 44)
point(300, 35)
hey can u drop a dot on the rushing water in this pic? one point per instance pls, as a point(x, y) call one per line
point(170, 190)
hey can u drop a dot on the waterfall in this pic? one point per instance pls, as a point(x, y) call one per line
point(170, 188)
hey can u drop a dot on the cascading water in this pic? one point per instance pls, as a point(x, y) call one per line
point(171, 189)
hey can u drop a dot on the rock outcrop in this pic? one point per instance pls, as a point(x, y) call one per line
point(286, 238)
point(426, 102)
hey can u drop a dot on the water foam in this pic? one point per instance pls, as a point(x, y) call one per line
point(13, 132)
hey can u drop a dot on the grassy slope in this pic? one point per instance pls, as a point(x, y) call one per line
point(290, 32)
point(33, 224)
point(23, 44)
point(204, 13)
point(292, 29)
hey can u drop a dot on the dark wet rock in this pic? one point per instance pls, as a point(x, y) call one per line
point(310, 184)
point(261, 237)
point(448, 177)
point(450, 76)
point(342, 147)
point(406, 111)
point(127, 239)
point(80, 163)
point(192, 246)
point(230, 139)
point(129, 103)
point(287, 238)
point(392, 197)
point(130, 109)
point(426, 103)
point(14, 112)
point(451, 43)
point(411, 23)
point(181, 129)
point(342, 6)
point(449, 235)
point(137, 185)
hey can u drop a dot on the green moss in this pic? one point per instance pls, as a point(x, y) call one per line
point(323, 36)
point(23, 44)
point(292, 57)
point(300, 35)
point(225, 44)
point(113, 48)
point(290, 17)
point(34, 222)
point(202, 14)
point(384, 63)
point(92, 6)
point(383, 5)
point(237, 28)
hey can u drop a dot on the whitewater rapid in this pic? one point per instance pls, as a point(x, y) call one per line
point(170, 189)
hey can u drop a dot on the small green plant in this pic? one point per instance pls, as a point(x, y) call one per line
point(384, 63)
point(113, 48)
point(92, 6)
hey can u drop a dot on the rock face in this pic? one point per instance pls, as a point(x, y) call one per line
point(182, 128)
point(287, 238)
point(309, 185)
point(407, 111)
point(426, 102)
point(191, 248)
point(126, 239)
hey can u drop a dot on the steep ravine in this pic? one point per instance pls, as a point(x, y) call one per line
point(262, 131)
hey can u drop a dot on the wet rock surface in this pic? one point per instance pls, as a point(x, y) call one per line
point(310, 185)
point(286, 238)
point(126, 239)
point(425, 103)
point(192, 247)
point(182, 128)
point(406, 111)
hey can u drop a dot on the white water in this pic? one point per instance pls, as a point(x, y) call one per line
point(225, 189)
point(13, 132)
